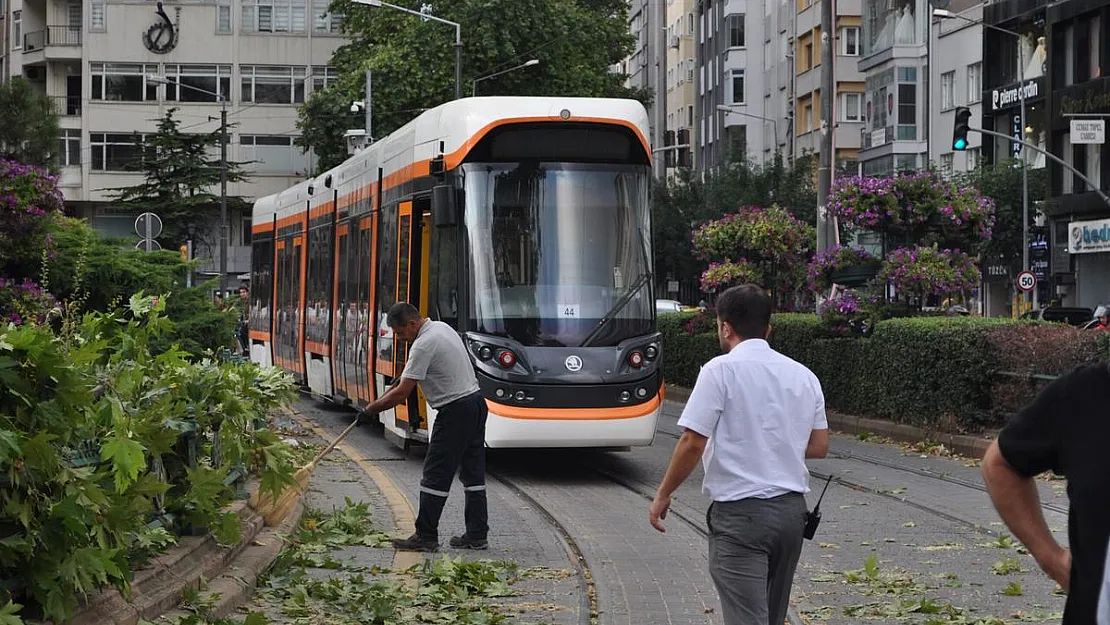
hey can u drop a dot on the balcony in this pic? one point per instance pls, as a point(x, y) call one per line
point(67, 106)
point(55, 43)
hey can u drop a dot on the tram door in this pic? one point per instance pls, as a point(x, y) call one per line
point(413, 249)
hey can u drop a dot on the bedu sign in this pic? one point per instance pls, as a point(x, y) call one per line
point(1089, 237)
point(1010, 95)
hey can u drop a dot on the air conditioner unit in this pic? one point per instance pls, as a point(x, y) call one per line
point(36, 74)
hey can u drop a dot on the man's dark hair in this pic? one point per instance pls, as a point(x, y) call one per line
point(746, 308)
point(401, 313)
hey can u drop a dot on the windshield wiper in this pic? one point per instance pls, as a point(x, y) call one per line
point(622, 302)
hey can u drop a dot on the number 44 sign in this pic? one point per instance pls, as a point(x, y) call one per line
point(568, 311)
point(1026, 281)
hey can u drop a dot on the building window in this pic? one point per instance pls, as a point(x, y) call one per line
point(272, 84)
point(69, 148)
point(851, 107)
point(323, 77)
point(123, 82)
point(907, 104)
point(690, 116)
point(806, 123)
point(849, 41)
point(246, 230)
point(322, 21)
point(17, 30)
point(97, 16)
point(116, 151)
point(213, 78)
point(807, 57)
point(223, 19)
point(273, 154)
point(275, 16)
point(947, 89)
point(735, 30)
point(737, 86)
point(946, 164)
point(974, 82)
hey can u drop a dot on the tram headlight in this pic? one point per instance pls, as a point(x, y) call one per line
point(636, 360)
point(519, 396)
point(485, 352)
point(506, 359)
point(641, 392)
point(651, 352)
point(625, 396)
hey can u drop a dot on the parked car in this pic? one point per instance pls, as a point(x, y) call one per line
point(1076, 316)
point(667, 306)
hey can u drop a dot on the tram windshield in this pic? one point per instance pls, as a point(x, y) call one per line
point(555, 248)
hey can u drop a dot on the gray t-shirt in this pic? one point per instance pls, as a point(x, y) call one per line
point(439, 362)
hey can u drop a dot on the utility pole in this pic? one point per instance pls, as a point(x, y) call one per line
point(367, 109)
point(223, 196)
point(828, 94)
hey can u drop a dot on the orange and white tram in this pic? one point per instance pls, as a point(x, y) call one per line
point(522, 222)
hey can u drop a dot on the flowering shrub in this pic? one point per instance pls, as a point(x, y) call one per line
point(909, 202)
point(720, 276)
point(836, 258)
point(23, 302)
point(28, 195)
point(755, 233)
point(841, 313)
point(922, 271)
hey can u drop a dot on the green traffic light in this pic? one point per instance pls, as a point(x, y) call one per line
point(959, 144)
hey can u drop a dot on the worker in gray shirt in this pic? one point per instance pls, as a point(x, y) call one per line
point(438, 361)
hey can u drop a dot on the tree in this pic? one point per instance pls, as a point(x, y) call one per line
point(576, 41)
point(1002, 182)
point(179, 175)
point(688, 201)
point(28, 124)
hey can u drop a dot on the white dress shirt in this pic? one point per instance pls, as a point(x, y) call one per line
point(758, 409)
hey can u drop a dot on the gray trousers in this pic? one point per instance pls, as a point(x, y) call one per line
point(754, 545)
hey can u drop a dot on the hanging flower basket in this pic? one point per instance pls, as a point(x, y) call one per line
point(847, 266)
point(721, 276)
point(923, 271)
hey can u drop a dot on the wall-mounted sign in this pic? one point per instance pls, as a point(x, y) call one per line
point(1089, 237)
point(1092, 96)
point(878, 137)
point(1015, 145)
point(1088, 131)
point(1009, 96)
point(161, 36)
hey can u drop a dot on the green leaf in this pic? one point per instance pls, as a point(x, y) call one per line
point(126, 456)
point(256, 618)
point(9, 614)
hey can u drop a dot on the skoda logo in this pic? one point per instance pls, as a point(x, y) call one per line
point(574, 363)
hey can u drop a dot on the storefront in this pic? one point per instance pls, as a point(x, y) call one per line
point(1089, 247)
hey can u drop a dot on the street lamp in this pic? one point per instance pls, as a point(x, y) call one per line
point(730, 108)
point(474, 86)
point(224, 230)
point(427, 16)
point(946, 14)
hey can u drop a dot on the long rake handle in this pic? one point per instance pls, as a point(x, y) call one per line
point(325, 451)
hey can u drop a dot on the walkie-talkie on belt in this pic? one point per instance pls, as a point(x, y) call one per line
point(813, 519)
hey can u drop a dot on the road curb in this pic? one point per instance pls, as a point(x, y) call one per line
point(962, 444)
point(404, 517)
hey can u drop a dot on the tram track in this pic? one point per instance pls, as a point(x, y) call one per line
point(879, 462)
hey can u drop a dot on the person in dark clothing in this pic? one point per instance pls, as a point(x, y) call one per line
point(439, 362)
point(1064, 431)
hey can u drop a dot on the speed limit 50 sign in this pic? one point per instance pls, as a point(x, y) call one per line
point(1026, 281)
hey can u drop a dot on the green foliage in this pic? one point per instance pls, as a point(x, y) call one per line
point(1002, 183)
point(28, 124)
point(576, 41)
point(689, 201)
point(181, 183)
point(934, 372)
point(84, 470)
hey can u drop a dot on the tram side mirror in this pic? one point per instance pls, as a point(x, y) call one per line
point(445, 206)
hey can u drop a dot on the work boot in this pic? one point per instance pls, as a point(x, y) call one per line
point(466, 542)
point(415, 543)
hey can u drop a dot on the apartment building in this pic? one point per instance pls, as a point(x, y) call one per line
point(681, 87)
point(742, 78)
point(848, 107)
point(105, 62)
point(647, 66)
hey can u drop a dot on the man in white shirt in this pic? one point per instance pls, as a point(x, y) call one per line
point(754, 416)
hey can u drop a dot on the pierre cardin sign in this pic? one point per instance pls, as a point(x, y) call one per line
point(1010, 96)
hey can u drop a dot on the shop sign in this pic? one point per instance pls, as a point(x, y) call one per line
point(1009, 96)
point(1092, 96)
point(1089, 237)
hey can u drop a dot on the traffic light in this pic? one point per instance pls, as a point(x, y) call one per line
point(960, 128)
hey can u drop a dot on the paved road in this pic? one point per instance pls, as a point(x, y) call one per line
point(926, 521)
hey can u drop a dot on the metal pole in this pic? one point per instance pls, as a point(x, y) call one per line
point(1055, 159)
point(367, 108)
point(828, 92)
point(458, 61)
point(1024, 177)
point(223, 196)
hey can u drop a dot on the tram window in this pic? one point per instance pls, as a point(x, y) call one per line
point(446, 272)
point(363, 295)
point(387, 277)
point(350, 259)
point(262, 260)
point(404, 242)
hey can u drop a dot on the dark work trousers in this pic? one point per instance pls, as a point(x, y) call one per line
point(458, 444)
point(754, 545)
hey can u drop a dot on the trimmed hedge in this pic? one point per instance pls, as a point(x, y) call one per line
point(933, 372)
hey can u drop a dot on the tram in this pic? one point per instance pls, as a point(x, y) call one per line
point(523, 222)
